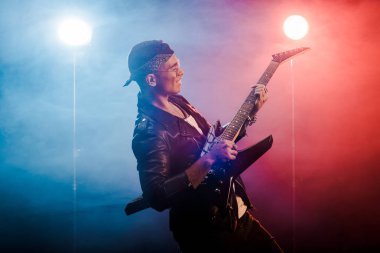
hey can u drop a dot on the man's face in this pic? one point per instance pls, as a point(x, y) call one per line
point(169, 77)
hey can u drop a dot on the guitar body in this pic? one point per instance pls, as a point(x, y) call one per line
point(218, 182)
point(245, 158)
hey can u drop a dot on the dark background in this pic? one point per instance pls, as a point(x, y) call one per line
point(224, 46)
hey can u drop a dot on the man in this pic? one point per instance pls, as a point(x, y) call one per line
point(167, 142)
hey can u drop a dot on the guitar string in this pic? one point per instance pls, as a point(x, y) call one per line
point(239, 119)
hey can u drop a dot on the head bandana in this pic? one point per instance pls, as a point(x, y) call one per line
point(147, 57)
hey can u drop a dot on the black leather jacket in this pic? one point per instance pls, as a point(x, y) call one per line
point(165, 146)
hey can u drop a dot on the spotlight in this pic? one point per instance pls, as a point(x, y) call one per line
point(75, 32)
point(295, 27)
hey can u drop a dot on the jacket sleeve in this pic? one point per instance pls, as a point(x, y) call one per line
point(153, 163)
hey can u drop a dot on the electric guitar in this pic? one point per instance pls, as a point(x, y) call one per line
point(222, 175)
point(218, 184)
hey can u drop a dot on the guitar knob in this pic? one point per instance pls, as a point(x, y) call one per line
point(217, 190)
point(220, 182)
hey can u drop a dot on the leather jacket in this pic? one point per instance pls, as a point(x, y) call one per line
point(165, 146)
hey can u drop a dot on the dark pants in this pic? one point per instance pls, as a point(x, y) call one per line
point(249, 236)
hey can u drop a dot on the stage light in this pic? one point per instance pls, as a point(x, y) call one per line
point(295, 27)
point(75, 32)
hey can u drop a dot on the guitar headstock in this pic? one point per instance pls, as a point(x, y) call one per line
point(280, 57)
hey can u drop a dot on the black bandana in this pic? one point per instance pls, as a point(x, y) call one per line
point(147, 57)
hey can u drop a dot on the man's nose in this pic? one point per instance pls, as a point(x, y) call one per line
point(181, 72)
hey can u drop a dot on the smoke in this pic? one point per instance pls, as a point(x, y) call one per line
point(224, 46)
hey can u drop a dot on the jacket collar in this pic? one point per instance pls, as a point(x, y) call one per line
point(171, 122)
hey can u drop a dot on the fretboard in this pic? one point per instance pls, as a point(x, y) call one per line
point(245, 111)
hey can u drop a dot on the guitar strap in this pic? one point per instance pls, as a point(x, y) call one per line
point(232, 206)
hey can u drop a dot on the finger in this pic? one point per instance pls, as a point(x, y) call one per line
point(259, 88)
point(259, 92)
point(234, 152)
point(231, 152)
point(265, 97)
point(253, 86)
point(229, 144)
point(232, 157)
point(263, 94)
point(261, 85)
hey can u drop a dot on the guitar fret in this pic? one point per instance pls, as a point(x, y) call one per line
point(249, 103)
point(264, 79)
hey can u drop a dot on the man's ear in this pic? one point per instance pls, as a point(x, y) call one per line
point(151, 80)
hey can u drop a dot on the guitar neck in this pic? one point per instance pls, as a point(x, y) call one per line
point(245, 111)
